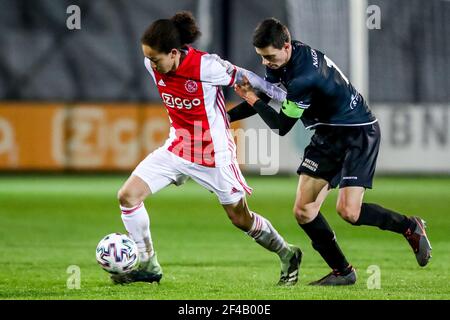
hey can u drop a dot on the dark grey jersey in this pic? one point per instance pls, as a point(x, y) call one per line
point(317, 85)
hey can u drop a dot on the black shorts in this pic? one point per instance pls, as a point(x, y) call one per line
point(344, 156)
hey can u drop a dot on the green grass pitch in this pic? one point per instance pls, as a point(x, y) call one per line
point(48, 223)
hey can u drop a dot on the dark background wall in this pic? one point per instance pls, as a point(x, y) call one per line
point(40, 59)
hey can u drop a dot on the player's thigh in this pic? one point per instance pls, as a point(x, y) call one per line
point(134, 188)
point(155, 172)
point(349, 202)
point(351, 196)
point(311, 193)
point(226, 182)
point(323, 157)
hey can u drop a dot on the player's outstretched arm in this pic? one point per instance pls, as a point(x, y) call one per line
point(241, 111)
point(244, 110)
point(282, 122)
point(270, 90)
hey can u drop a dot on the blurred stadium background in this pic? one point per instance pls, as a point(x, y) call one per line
point(76, 101)
point(81, 99)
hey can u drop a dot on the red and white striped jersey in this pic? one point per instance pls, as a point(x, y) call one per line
point(199, 127)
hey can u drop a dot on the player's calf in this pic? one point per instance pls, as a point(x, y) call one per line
point(349, 213)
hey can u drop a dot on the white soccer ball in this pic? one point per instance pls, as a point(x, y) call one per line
point(117, 253)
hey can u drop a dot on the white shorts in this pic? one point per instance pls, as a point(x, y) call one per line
point(162, 168)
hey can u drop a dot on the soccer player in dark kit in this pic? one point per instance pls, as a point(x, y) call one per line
point(342, 152)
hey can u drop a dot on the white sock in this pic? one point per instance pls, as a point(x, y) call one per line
point(265, 234)
point(137, 224)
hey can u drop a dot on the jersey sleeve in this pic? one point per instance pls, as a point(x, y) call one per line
point(270, 89)
point(216, 71)
point(149, 68)
point(299, 91)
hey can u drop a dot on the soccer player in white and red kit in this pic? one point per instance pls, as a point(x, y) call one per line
point(199, 146)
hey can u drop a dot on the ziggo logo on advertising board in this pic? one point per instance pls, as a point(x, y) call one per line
point(57, 136)
point(95, 137)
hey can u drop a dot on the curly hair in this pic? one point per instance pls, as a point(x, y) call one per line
point(164, 35)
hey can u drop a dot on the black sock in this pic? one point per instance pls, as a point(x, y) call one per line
point(324, 241)
point(385, 219)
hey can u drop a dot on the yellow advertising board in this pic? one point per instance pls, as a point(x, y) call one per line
point(53, 137)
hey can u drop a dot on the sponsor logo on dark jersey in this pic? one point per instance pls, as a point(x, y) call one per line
point(355, 100)
point(315, 59)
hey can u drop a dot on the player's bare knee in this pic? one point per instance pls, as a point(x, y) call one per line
point(303, 214)
point(239, 214)
point(128, 198)
point(348, 213)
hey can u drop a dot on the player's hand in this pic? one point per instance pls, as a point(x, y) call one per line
point(246, 91)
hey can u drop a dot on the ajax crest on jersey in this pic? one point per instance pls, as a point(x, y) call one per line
point(191, 86)
point(117, 253)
